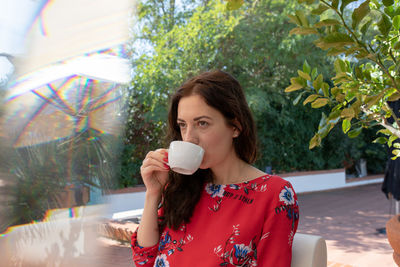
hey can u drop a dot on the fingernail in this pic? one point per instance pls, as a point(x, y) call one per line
point(165, 159)
point(166, 166)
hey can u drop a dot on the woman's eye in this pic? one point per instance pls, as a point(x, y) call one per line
point(203, 123)
point(181, 125)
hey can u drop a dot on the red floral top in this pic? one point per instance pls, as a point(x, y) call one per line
point(246, 224)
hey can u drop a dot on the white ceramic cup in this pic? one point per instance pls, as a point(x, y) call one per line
point(184, 157)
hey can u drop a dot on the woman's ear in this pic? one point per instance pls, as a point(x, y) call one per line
point(237, 128)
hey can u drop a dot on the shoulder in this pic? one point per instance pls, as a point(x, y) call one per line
point(275, 180)
point(277, 184)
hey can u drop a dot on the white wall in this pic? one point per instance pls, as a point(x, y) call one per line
point(325, 181)
point(124, 202)
point(129, 205)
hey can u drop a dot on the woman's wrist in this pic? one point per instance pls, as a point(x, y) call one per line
point(153, 197)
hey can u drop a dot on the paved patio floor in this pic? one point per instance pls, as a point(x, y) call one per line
point(347, 218)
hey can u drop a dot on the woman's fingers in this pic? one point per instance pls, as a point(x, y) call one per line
point(156, 158)
point(154, 161)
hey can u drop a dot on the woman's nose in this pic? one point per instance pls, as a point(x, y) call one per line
point(190, 135)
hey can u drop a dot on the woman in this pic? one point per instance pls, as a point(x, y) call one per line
point(228, 213)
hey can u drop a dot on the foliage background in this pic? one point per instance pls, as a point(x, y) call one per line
point(174, 40)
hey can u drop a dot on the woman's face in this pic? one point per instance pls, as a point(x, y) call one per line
point(205, 126)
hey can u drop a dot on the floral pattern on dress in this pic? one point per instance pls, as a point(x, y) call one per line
point(286, 195)
point(166, 247)
point(237, 254)
point(161, 261)
point(255, 185)
point(288, 204)
point(215, 190)
point(169, 245)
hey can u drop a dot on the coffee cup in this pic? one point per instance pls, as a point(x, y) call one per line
point(184, 157)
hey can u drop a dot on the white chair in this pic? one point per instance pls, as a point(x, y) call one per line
point(309, 251)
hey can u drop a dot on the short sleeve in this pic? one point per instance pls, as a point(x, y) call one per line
point(275, 246)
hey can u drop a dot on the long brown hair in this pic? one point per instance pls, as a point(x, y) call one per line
point(223, 92)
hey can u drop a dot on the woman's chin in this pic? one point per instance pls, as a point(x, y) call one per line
point(203, 166)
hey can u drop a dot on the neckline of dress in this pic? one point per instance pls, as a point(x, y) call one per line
point(243, 183)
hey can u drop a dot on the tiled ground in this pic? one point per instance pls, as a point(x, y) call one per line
point(347, 218)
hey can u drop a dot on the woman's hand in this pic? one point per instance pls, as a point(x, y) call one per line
point(154, 171)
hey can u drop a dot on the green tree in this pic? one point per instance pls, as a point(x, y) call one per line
point(364, 37)
point(262, 54)
point(252, 43)
point(180, 42)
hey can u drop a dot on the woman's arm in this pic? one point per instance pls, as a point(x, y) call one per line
point(148, 233)
point(154, 172)
point(275, 246)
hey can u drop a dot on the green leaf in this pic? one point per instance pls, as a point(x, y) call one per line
point(346, 125)
point(293, 87)
point(392, 138)
point(320, 9)
point(380, 140)
point(336, 51)
point(310, 98)
point(297, 99)
point(394, 97)
point(396, 46)
point(318, 82)
point(334, 115)
point(315, 141)
point(324, 131)
point(358, 72)
point(388, 2)
point(326, 22)
point(298, 81)
point(354, 133)
point(320, 102)
point(385, 132)
point(306, 67)
point(322, 121)
point(345, 3)
point(359, 13)
point(294, 19)
point(340, 98)
point(314, 73)
point(234, 4)
point(304, 75)
point(384, 24)
point(325, 89)
point(365, 27)
point(347, 113)
point(372, 100)
point(335, 39)
point(335, 91)
point(396, 153)
point(303, 31)
point(340, 66)
point(302, 17)
point(396, 22)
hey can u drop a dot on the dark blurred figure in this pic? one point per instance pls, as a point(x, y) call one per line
point(391, 183)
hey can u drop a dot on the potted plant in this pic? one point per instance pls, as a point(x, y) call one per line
point(365, 39)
